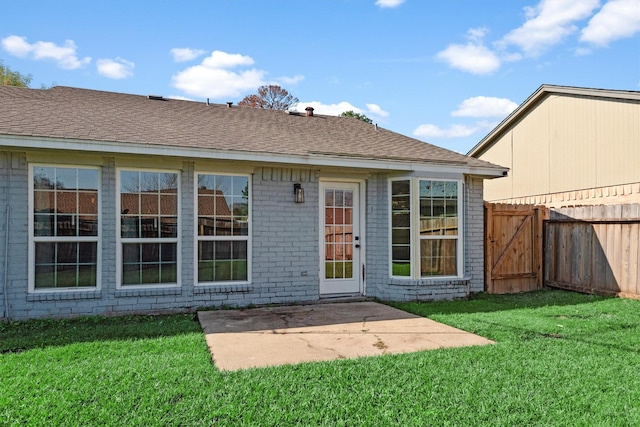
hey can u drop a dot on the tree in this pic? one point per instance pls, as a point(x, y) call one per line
point(355, 115)
point(272, 97)
point(8, 77)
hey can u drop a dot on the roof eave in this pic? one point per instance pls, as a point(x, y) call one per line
point(310, 160)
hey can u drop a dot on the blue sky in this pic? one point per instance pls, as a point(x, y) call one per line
point(445, 72)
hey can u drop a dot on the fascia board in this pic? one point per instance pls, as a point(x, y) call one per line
point(35, 143)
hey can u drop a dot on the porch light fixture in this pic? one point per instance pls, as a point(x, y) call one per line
point(298, 193)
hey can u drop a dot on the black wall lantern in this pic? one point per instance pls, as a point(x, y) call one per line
point(298, 193)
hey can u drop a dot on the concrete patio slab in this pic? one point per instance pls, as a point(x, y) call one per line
point(259, 337)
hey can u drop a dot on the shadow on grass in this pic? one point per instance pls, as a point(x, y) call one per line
point(16, 337)
point(487, 303)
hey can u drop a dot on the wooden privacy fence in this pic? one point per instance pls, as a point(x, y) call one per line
point(594, 250)
point(513, 247)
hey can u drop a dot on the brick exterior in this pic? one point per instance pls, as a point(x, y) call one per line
point(284, 253)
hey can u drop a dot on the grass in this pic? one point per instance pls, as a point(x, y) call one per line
point(561, 359)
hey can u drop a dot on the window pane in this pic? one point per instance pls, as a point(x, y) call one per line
point(148, 182)
point(241, 186)
point(150, 252)
point(438, 257)
point(66, 179)
point(129, 182)
point(43, 225)
point(168, 227)
point(45, 276)
point(44, 178)
point(400, 187)
point(168, 183)
point(45, 253)
point(130, 253)
point(149, 204)
point(87, 179)
point(66, 225)
point(67, 253)
point(87, 252)
point(88, 225)
point(88, 202)
point(149, 227)
point(44, 201)
point(169, 204)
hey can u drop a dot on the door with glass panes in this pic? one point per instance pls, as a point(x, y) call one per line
point(340, 239)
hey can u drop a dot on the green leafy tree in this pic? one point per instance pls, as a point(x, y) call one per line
point(8, 77)
point(355, 115)
point(272, 97)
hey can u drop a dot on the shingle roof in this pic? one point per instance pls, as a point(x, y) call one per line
point(90, 115)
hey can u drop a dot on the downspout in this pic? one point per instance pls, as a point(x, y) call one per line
point(6, 265)
point(5, 281)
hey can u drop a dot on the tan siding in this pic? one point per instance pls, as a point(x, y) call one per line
point(499, 154)
point(567, 143)
point(618, 150)
point(572, 159)
point(531, 153)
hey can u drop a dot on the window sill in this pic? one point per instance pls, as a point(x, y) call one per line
point(147, 292)
point(435, 281)
point(54, 295)
point(222, 288)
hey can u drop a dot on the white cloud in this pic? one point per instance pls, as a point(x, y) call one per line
point(215, 77)
point(389, 3)
point(485, 106)
point(291, 80)
point(341, 107)
point(548, 24)
point(183, 54)
point(219, 59)
point(453, 131)
point(375, 110)
point(65, 56)
point(329, 109)
point(115, 68)
point(617, 19)
point(473, 57)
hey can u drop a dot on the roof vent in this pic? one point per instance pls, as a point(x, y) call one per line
point(156, 97)
point(229, 104)
point(309, 111)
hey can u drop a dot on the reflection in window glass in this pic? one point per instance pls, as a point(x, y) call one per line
point(149, 227)
point(437, 220)
point(401, 228)
point(65, 227)
point(223, 228)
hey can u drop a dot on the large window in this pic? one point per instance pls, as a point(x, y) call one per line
point(432, 207)
point(148, 227)
point(222, 228)
point(65, 228)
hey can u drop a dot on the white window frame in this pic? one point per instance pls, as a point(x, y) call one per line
point(415, 239)
point(33, 239)
point(197, 238)
point(120, 240)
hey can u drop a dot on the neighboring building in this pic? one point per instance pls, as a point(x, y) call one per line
point(115, 203)
point(567, 146)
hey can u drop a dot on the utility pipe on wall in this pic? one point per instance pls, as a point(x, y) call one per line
point(6, 265)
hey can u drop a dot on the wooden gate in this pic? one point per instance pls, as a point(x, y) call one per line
point(513, 247)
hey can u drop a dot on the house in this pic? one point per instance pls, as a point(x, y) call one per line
point(567, 146)
point(115, 203)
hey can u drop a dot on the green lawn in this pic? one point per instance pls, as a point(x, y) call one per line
point(561, 358)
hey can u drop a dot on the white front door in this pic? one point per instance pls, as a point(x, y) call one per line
point(340, 239)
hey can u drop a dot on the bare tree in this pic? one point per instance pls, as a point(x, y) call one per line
point(272, 97)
